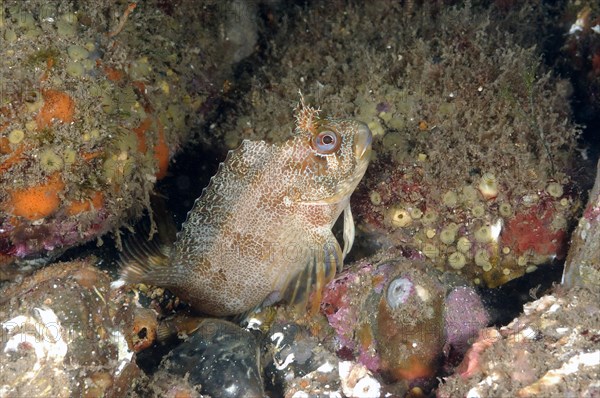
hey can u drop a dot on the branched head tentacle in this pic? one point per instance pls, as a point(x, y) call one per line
point(307, 117)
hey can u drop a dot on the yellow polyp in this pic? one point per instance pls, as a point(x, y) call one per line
point(399, 217)
point(415, 213)
point(450, 199)
point(483, 234)
point(555, 190)
point(429, 217)
point(464, 244)
point(505, 210)
point(375, 198)
point(16, 136)
point(457, 260)
point(50, 161)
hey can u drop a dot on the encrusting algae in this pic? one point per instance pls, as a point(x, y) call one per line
point(262, 229)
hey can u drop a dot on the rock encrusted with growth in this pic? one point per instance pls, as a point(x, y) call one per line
point(64, 335)
point(95, 99)
point(550, 350)
point(583, 263)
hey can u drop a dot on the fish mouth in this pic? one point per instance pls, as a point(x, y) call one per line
point(362, 142)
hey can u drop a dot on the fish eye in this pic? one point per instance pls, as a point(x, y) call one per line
point(326, 142)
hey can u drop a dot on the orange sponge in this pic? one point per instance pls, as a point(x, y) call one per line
point(57, 105)
point(37, 201)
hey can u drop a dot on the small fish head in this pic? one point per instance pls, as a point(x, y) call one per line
point(335, 156)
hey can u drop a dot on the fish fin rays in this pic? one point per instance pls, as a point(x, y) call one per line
point(304, 290)
point(348, 230)
point(146, 250)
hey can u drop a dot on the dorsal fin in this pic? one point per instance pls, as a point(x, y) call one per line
point(215, 206)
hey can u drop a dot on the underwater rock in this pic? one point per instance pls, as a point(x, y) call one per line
point(220, 359)
point(62, 335)
point(582, 267)
point(550, 350)
point(299, 365)
point(92, 109)
point(474, 145)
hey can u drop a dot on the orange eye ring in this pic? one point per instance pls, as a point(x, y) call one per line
point(326, 142)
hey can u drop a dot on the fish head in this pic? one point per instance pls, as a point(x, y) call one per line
point(334, 156)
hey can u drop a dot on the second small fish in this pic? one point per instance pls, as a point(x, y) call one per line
point(261, 231)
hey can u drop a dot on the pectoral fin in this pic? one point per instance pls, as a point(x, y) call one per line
point(324, 259)
point(348, 230)
point(146, 250)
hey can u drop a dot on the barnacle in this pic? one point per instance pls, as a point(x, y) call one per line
point(478, 211)
point(66, 25)
point(77, 53)
point(482, 259)
point(415, 213)
point(69, 156)
point(75, 69)
point(430, 251)
point(469, 194)
point(375, 198)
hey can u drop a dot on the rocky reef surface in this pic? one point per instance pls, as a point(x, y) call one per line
point(95, 100)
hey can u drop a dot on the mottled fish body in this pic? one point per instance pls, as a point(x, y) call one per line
point(261, 230)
